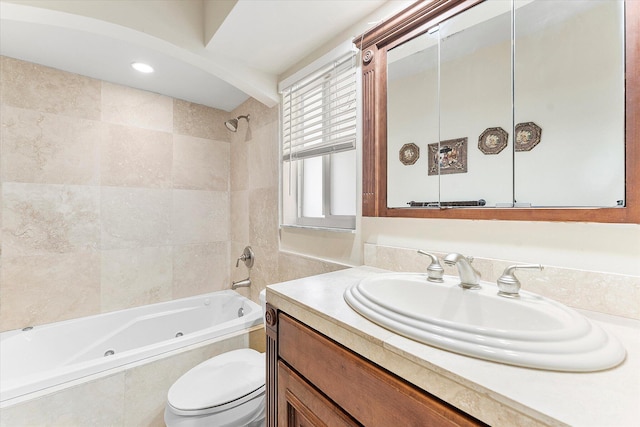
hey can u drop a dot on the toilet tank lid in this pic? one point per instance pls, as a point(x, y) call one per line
point(219, 380)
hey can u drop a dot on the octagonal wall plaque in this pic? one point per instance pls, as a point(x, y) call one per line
point(527, 136)
point(493, 140)
point(409, 154)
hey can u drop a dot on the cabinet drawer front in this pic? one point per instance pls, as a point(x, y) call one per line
point(300, 404)
point(365, 391)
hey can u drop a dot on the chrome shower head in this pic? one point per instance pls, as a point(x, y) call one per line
point(232, 124)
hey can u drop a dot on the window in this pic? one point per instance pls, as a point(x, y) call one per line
point(319, 128)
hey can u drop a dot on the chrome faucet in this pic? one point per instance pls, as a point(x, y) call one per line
point(241, 283)
point(248, 257)
point(435, 270)
point(508, 283)
point(469, 277)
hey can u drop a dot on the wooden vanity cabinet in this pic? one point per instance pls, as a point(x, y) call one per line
point(314, 381)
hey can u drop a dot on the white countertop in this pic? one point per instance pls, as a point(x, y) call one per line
point(495, 393)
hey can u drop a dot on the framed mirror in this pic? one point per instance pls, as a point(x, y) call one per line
point(509, 128)
point(569, 103)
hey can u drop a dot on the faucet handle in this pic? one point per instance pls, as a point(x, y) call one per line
point(435, 270)
point(247, 257)
point(508, 283)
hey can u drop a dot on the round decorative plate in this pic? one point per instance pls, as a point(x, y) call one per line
point(527, 136)
point(409, 154)
point(493, 140)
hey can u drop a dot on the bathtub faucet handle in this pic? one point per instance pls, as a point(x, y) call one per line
point(247, 257)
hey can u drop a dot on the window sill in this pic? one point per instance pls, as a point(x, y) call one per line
point(317, 228)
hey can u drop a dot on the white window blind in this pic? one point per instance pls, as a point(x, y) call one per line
point(319, 132)
point(319, 112)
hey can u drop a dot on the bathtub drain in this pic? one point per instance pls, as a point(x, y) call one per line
point(109, 353)
point(179, 334)
point(240, 312)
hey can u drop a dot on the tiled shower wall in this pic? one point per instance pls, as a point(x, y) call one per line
point(254, 203)
point(111, 197)
point(114, 197)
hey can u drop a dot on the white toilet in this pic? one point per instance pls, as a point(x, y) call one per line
point(226, 390)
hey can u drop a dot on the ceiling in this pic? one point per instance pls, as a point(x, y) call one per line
point(212, 52)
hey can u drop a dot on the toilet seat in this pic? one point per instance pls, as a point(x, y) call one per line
point(219, 384)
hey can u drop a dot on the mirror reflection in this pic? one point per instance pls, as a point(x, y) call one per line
point(569, 81)
point(473, 121)
point(412, 120)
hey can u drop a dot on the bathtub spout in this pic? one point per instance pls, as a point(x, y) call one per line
point(241, 283)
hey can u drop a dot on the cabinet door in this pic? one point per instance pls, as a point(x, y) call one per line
point(301, 405)
point(372, 396)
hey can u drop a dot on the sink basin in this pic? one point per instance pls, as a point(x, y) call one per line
point(529, 331)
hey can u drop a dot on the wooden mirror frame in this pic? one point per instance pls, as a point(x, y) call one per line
point(416, 20)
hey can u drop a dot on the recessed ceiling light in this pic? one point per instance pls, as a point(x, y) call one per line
point(142, 67)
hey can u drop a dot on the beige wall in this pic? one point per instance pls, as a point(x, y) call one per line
point(114, 197)
point(111, 197)
point(254, 203)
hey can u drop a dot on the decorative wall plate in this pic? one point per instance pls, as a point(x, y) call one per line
point(527, 136)
point(493, 140)
point(452, 157)
point(409, 154)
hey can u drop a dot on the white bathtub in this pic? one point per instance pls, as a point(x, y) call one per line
point(50, 355)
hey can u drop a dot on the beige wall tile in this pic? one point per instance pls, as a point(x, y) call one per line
point(135, 217)
point(240, 217)
point(48, 288)
point(88, 166)
point(602, 292)
point(292, 266)
point(133, 157)
point(260, 114)
point(134, 277)
point(258, 340)
point(137, 108)
point(47, 148)
point(200, 164)
point(263, 218)
point(199, 269)
point(199, 216)
point(254, 196)
point(239, 174)
point(35, 87)
point(200, 121)
point(265, 270)
point(147, 386)
point(406, 260)
point(42, 219)
point(95, 403)
point(262, 156)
